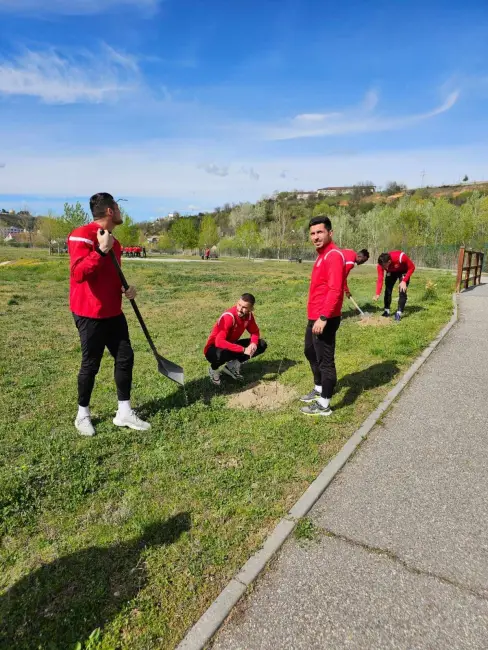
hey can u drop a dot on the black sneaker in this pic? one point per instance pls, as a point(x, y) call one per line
point(316, 409)
point(386, 314)
point(310, 397)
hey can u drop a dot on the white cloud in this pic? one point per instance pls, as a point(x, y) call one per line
point(73, 7)
point(214, 170)
point(356, 120)
point(60, 79)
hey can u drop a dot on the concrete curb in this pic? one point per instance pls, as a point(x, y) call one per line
point(205, 628)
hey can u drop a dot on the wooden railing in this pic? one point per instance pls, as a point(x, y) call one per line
point(469, 268)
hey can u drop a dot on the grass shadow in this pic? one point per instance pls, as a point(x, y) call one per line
point(203, 389)
point(372, 377)
point(61, 603)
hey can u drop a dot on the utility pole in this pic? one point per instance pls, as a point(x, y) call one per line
point(422, 175)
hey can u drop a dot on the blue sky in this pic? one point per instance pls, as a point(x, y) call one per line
point(186, 104)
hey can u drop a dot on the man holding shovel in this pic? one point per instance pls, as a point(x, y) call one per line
point(96, 304)
point(352, 259)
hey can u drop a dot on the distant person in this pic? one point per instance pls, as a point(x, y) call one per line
point(397, 266)
point(144, 251)
point(353, 259)
point(325, 299)
point(207, 253)
point(96, 304)
point(225, 347)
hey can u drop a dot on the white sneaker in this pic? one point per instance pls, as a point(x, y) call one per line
point(84, 425)
point(214, 376)
point(130, 420)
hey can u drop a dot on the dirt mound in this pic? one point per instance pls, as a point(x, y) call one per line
point(375, 321)
point(266, 396)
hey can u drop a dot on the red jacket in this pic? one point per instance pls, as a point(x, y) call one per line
point(400, 263)
point(350, 257)
point(229, 329)
point(95, 288)
point(327, 284)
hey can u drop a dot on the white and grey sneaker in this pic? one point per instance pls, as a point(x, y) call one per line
point(310, 397)
point(130, 420)
point(84, 425)
point(315, 408)
point(214, 376)
point(233, 369)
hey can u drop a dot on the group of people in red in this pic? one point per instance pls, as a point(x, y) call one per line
point(226, 351)
point(96, 305)
point(134, 251)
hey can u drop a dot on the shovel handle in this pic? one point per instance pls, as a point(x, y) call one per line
point(356, 305)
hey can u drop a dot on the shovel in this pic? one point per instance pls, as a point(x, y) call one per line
point(165, 367)
point(364, 314)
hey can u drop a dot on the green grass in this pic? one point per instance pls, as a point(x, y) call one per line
point(133, 534)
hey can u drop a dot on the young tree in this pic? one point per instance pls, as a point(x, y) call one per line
point(74, 216)
point(127, 232)
point(281, 225)
point(52, 229)
point(209, 234)
point(247, 236)
point(184, 233)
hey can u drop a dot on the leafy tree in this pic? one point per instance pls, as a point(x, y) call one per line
point(184, 233)
point(127, 232)
point(247, 236)
point(74, 216)
point(392, 187)
point(209, 234)
point(53, 229)
point(281, 225)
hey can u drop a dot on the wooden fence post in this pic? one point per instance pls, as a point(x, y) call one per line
point(460, 269)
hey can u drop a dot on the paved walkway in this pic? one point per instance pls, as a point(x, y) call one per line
point(401, 560)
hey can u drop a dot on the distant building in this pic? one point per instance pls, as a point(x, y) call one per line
point(338, 191)
point(303, 196)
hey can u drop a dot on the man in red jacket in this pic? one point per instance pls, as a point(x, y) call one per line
point(324, 316)
point(397, 266)
point(96, 303)
point(353, 259)
point(225, 347)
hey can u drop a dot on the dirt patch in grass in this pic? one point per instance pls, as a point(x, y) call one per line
point(375, 321)
point(265, 396)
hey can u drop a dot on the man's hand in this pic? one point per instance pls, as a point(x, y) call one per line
point(130, 293)
point(318, 326)
point(348, 294)
point(376, 298)
point(105, 241)
point(403, 286)
point(251, 349)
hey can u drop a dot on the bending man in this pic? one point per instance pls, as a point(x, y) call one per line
point(397, 266)
point(353, 259)
point(225, 347)
point(96, 304)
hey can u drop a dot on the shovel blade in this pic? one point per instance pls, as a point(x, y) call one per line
point(171, 370)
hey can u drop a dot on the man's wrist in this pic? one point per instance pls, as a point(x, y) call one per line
point(323, 318)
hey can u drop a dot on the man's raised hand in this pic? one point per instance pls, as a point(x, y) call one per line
point(105, 240)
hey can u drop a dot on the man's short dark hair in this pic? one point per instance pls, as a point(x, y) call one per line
point(364, 252)
point(321, 218)
point(99, 204)
point(384, 258)
point(248, 297)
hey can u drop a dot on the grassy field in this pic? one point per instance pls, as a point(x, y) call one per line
point(122, 540)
